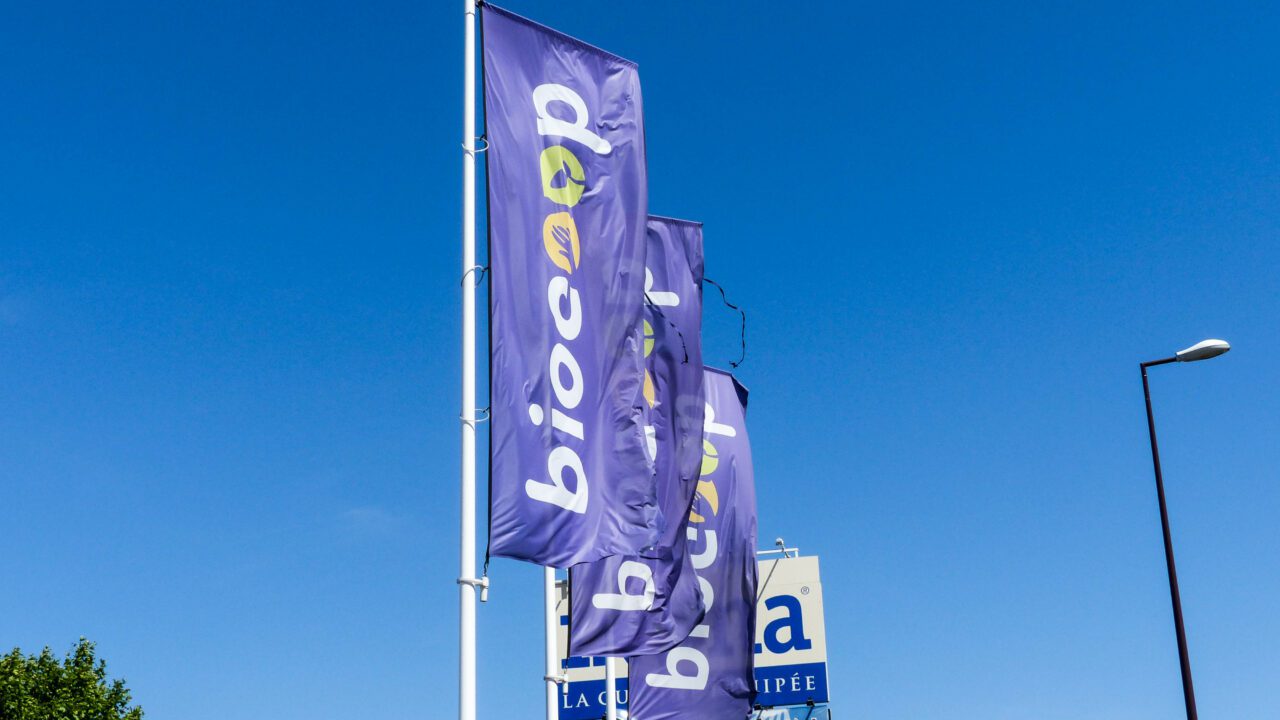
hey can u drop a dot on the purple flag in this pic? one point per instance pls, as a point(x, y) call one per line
point(569, 479)
point(640, 605)
point(709, 675)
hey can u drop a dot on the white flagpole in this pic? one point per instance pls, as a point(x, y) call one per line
point(550, 625)
point(611, 687)
point(467, 581)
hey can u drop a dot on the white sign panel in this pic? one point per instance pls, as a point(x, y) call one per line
point(791, 635)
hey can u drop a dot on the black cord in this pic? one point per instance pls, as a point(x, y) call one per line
point(742, 335)
point(683, 346)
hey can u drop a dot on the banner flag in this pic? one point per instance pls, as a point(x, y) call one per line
point(709, 675)
point(641, 605)
point(569, 479)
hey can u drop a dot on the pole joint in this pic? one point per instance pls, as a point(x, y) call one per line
point(481, 582)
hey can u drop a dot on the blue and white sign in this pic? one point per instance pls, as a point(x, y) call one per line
point(791, 636)
point(790, 651)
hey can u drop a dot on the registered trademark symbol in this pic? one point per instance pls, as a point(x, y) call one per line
point(804, 589)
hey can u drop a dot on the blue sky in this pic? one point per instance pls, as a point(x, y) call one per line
point(228, 330)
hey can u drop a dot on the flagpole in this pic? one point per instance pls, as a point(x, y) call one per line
point(611, 688)
point(467, 581)
point(549, 621)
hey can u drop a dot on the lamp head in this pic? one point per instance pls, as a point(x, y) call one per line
point(1203, 350)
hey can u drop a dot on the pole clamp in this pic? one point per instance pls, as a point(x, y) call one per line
point(476, 151)
point(482, 583)
point(479, 270)
point(557, 679)
point(484, 417)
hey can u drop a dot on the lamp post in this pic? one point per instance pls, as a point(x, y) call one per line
point(1200, 351)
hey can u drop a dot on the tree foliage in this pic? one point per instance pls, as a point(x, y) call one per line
point(40, 687)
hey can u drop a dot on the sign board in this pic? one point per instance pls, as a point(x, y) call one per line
point(791, 650)
point(791, 636)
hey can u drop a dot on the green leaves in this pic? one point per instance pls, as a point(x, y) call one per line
point(39, 687)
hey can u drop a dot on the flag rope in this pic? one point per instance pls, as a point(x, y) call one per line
point(742, 333)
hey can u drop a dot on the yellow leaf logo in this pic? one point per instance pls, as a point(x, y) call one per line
point(707, 489)
point(560, 239)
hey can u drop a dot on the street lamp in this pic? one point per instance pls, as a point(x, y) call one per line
point(1200, 351)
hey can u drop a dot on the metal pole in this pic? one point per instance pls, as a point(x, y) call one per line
point(611, 687)
point(467, 517)
point(1188, 692)
point(551, 623)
